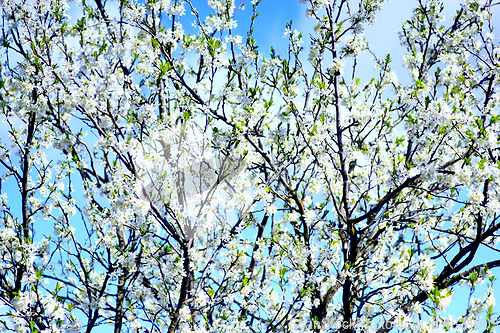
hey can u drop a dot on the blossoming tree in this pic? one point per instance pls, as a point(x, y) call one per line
point(161, 173)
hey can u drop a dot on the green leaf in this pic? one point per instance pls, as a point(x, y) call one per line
point(481, 163)
point(427, 101)
point(473, 277)
point(283, 272)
